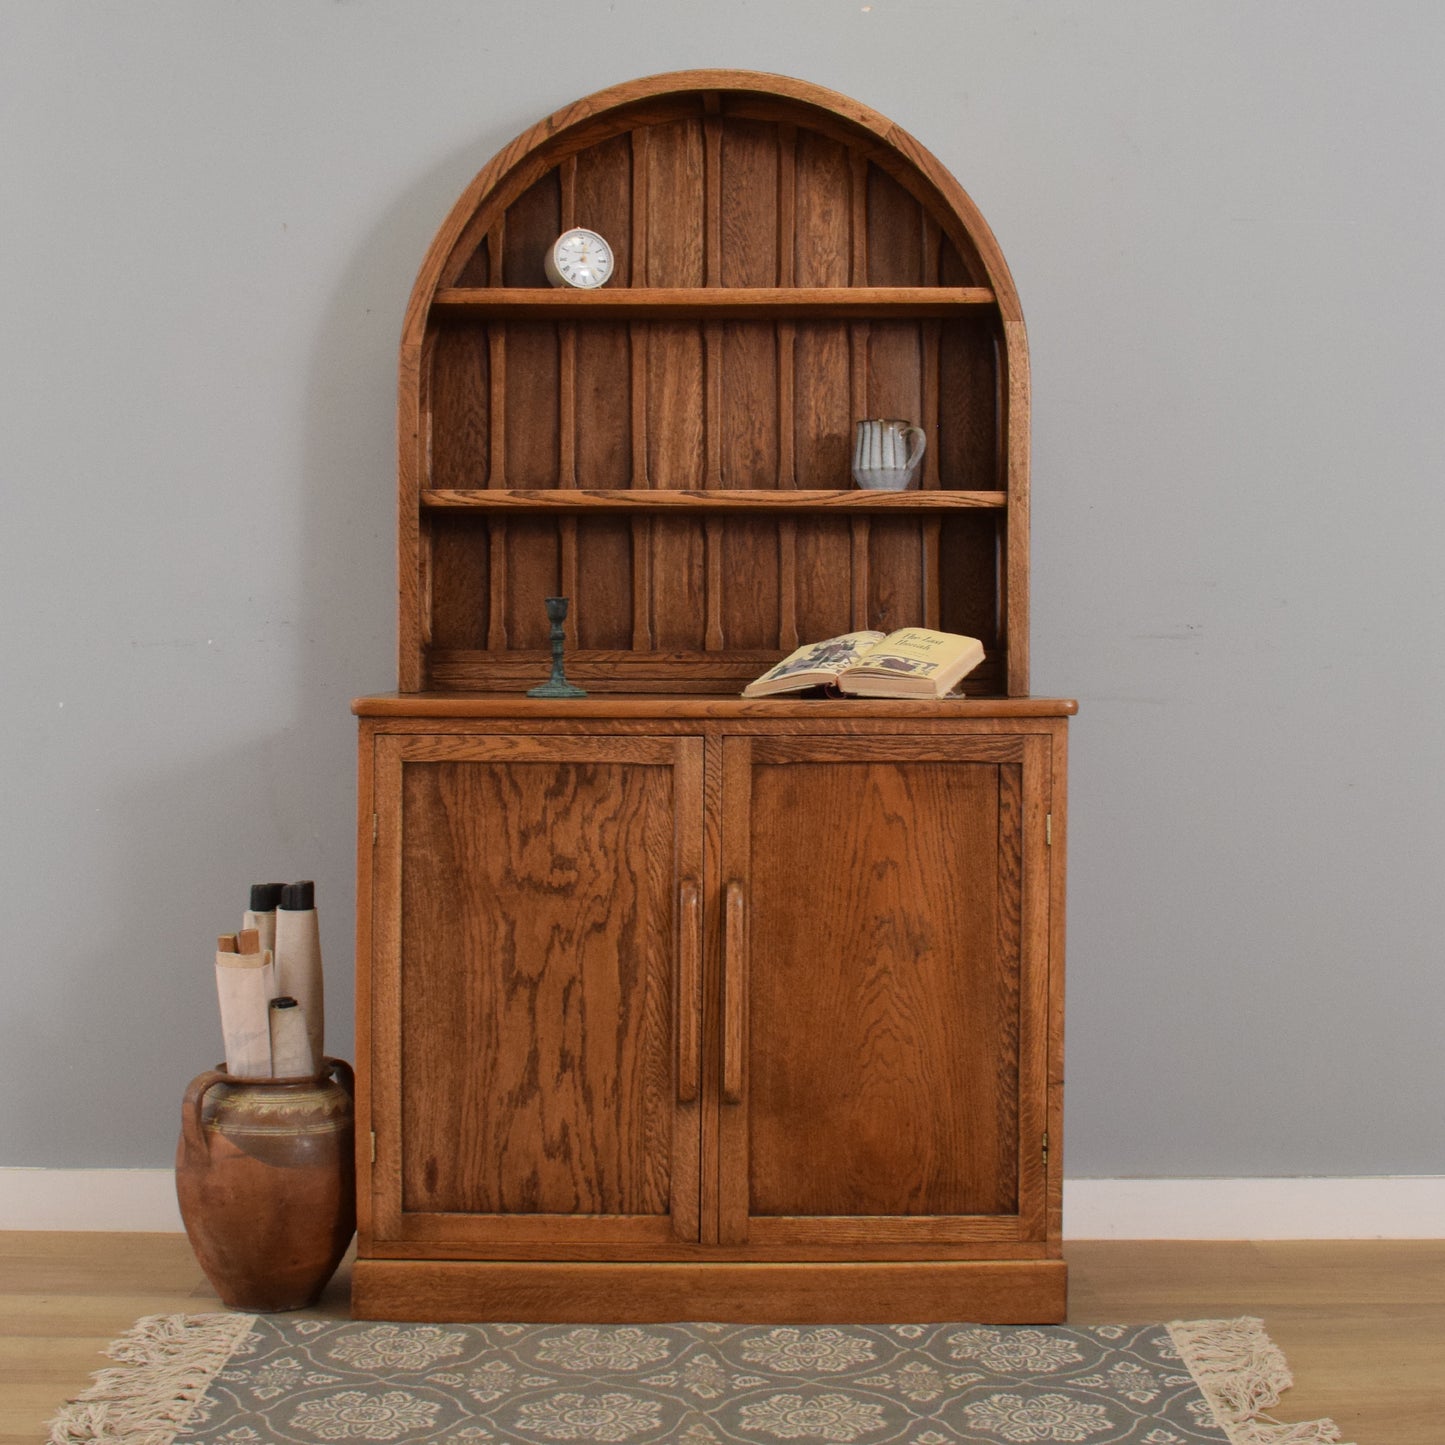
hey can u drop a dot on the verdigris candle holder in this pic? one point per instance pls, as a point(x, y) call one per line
point(557, 685)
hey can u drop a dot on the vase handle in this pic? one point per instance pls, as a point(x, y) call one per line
point(191, 1134)
point(344, 1073)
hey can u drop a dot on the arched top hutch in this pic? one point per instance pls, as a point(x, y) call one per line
point(673, 1004)
point(672, 451)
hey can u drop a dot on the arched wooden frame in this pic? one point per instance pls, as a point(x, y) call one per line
point(671, 451)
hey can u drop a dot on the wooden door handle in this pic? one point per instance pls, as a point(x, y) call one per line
point(689, 993)
point(735, 991)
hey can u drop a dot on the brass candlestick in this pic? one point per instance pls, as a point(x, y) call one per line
point(557, 685)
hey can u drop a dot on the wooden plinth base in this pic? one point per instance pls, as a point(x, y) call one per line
point(993, 1292)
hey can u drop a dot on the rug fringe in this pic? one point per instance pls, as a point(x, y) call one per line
point(169, 1363)
point(1241, 1372)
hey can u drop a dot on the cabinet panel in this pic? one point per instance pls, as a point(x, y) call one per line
point(881, 983)
point(534, 1057)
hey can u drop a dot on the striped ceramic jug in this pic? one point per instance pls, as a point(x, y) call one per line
point(882, 459)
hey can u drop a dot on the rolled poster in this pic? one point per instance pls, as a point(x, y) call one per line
point(242, 983)
point(298, 958)
point(290, 1047)
point(261, 915)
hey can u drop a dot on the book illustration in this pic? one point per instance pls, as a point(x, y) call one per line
point(829, 657)
point(912, 662)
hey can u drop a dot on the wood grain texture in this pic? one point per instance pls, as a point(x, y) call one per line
point(532, 405)
point(603, 401)
point(772, 1241)
point(1016, 1291)
point(602, 198)
point(736, 303)
point(674, 713)
point(1015, 601)
point(412, 600)
point(461, 407)
point(538, 1021)
point(860, 1099)
point(504, 1056)
point(461, 585)
point(788, 503)
point(676, 213)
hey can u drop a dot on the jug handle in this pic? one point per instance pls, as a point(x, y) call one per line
point(344, 1073)
point(191, 1135)
point(922, 443)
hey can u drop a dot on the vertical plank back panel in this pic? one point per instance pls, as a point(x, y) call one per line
point(823, 243)
point(969, 420)
point(676, 226)
point(678, 606)
point(824, 579)
point(675, 212)
point(533, 405)
point(895, 371)
point(461, 586)
point(604, 584)
point(478, 270)
point(534, 221)
point(603, 405)
point(896, 592)
point(749, 200)
point(895, 233)
point(533, 575)
point(752, 602)
point(748, 197)
point(748, 440)
point(602, 198)
point(968, 584)
point(823, 400)
point(461, 407)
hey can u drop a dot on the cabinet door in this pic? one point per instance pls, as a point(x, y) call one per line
point(884, 995)
point(535, 991)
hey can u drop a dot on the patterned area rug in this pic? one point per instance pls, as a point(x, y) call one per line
point(254, 1380)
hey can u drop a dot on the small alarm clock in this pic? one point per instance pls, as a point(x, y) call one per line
point(580, 258)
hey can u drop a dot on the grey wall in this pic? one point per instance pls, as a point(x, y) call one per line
point(1224, 222)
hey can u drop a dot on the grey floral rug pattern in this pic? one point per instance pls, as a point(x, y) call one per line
point(277, 1379)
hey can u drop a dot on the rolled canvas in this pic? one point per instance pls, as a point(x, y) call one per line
point(298, 969)
point(290, 1046)
point(243, 984)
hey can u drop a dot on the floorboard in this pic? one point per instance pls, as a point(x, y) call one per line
point(1362, 1322)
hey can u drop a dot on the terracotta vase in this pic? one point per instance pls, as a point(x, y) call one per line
point(266, 1178)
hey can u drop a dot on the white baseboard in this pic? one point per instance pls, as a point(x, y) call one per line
point(1394, 1207)
point(1399, 1206)
point(130, 1199)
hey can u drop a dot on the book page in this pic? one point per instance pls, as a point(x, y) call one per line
point(826, 659)
point(916, 651)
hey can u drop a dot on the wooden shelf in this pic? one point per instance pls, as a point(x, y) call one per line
point(411, 705)
point(568, 499)
point(769, 303)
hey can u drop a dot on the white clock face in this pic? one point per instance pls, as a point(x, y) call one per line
point(579, 258)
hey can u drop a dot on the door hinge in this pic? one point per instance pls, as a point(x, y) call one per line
point(1046, 1147)
point(375, 826)
point(1048, 829)
point(373, 1146)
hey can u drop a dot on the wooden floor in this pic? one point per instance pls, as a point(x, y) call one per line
point(1362, 1324)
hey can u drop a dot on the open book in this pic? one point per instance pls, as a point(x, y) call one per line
point(912, 662)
